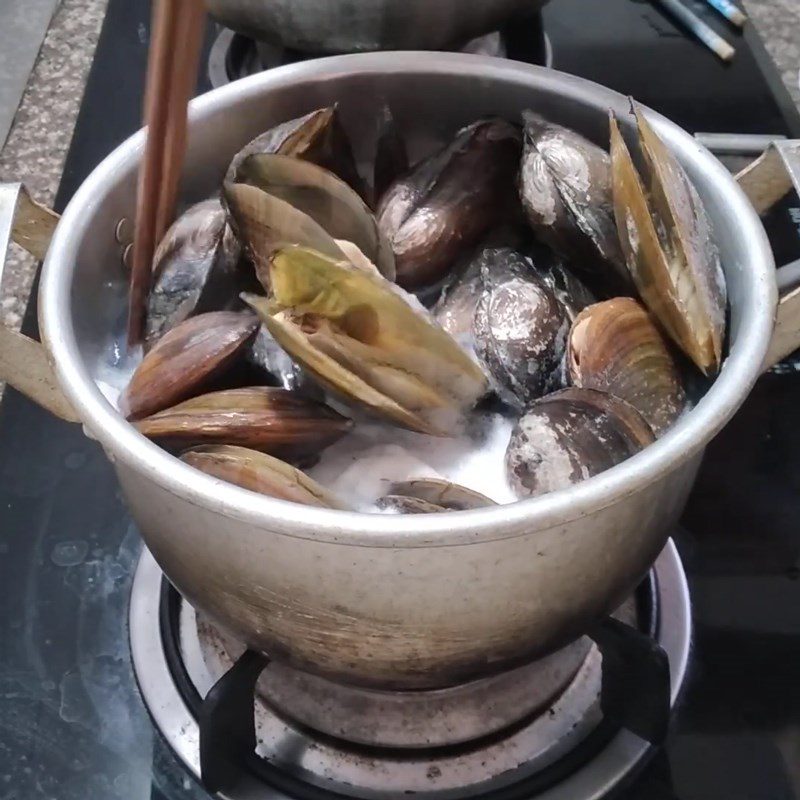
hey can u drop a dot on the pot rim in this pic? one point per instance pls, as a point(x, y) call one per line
point(686, 438)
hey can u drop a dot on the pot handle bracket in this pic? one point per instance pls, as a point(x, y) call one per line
point(766, 181)
point(24, 362)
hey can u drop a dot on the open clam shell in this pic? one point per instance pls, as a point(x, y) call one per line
point(317, 137)
point(265, 224)
point(260, 473)
point(194, 269)
point(519, 328)
point(325, 198)
point(401, 504)
point(448, 202)
point(666, 236)
point(615, 347)
point(569, 436)
point(185, 359)
point(268, 419)
point(444, 494)
point(365, 339)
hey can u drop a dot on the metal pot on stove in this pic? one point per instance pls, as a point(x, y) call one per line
point(344, 26)
point(394, 602)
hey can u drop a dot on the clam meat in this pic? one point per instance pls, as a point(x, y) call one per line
point(569, 436)
point(615, 347)
point(447, 203)
point(260, 473)
point(368, 341)
point(194, 269)
point(274, 421)
point(667, 239)
point(565, 188)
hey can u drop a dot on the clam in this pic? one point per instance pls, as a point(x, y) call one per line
point(565, 187)
point(185, 359)
point(391, 155)
point(364, 338)
point(400, 504)
point(447, 203)
point(569, 436)
point(666, 236)
point(317, 137)
point(264, 418)
point(445, 495)
point(325, 198)
point(615, 347)
point(260, 473)
point(194, 269)
point(520, 327)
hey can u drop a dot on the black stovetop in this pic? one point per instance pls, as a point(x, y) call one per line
point(73, 726)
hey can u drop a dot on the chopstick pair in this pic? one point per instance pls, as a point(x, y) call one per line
point(176, 38)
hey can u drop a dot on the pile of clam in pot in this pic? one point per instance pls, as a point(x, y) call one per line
point(515, 313)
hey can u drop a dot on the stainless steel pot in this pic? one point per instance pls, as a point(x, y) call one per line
point(344, 26)
point(393, 601)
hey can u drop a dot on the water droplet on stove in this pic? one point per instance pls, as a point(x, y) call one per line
point(75, 460)
point(48, 686)
point(121, 782)
point(69, 554)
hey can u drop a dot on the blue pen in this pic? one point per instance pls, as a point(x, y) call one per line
point(730, 11)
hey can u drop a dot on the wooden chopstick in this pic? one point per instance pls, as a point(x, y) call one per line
point(183, 79)
point(171, 71)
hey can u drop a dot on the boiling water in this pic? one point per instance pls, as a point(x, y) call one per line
point(361, 467)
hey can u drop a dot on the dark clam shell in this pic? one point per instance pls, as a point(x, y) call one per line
point(263, 418)
point(275, 365)
point(194, 269)
point(565, 187)
point(185, 359)
point(391, 155)
point(569, 436)
point(520, 327)
point(448, 203)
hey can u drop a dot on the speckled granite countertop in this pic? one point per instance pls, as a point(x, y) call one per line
point(38, 142)
point(39, 138)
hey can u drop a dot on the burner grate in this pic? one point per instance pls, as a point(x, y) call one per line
point(172, 691)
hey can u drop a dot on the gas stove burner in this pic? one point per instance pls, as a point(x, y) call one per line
point(234, 55)
point(542, 730)
point(419, 719)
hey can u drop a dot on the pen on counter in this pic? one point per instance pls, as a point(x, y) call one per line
point(706, 34)
point(730, 11)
